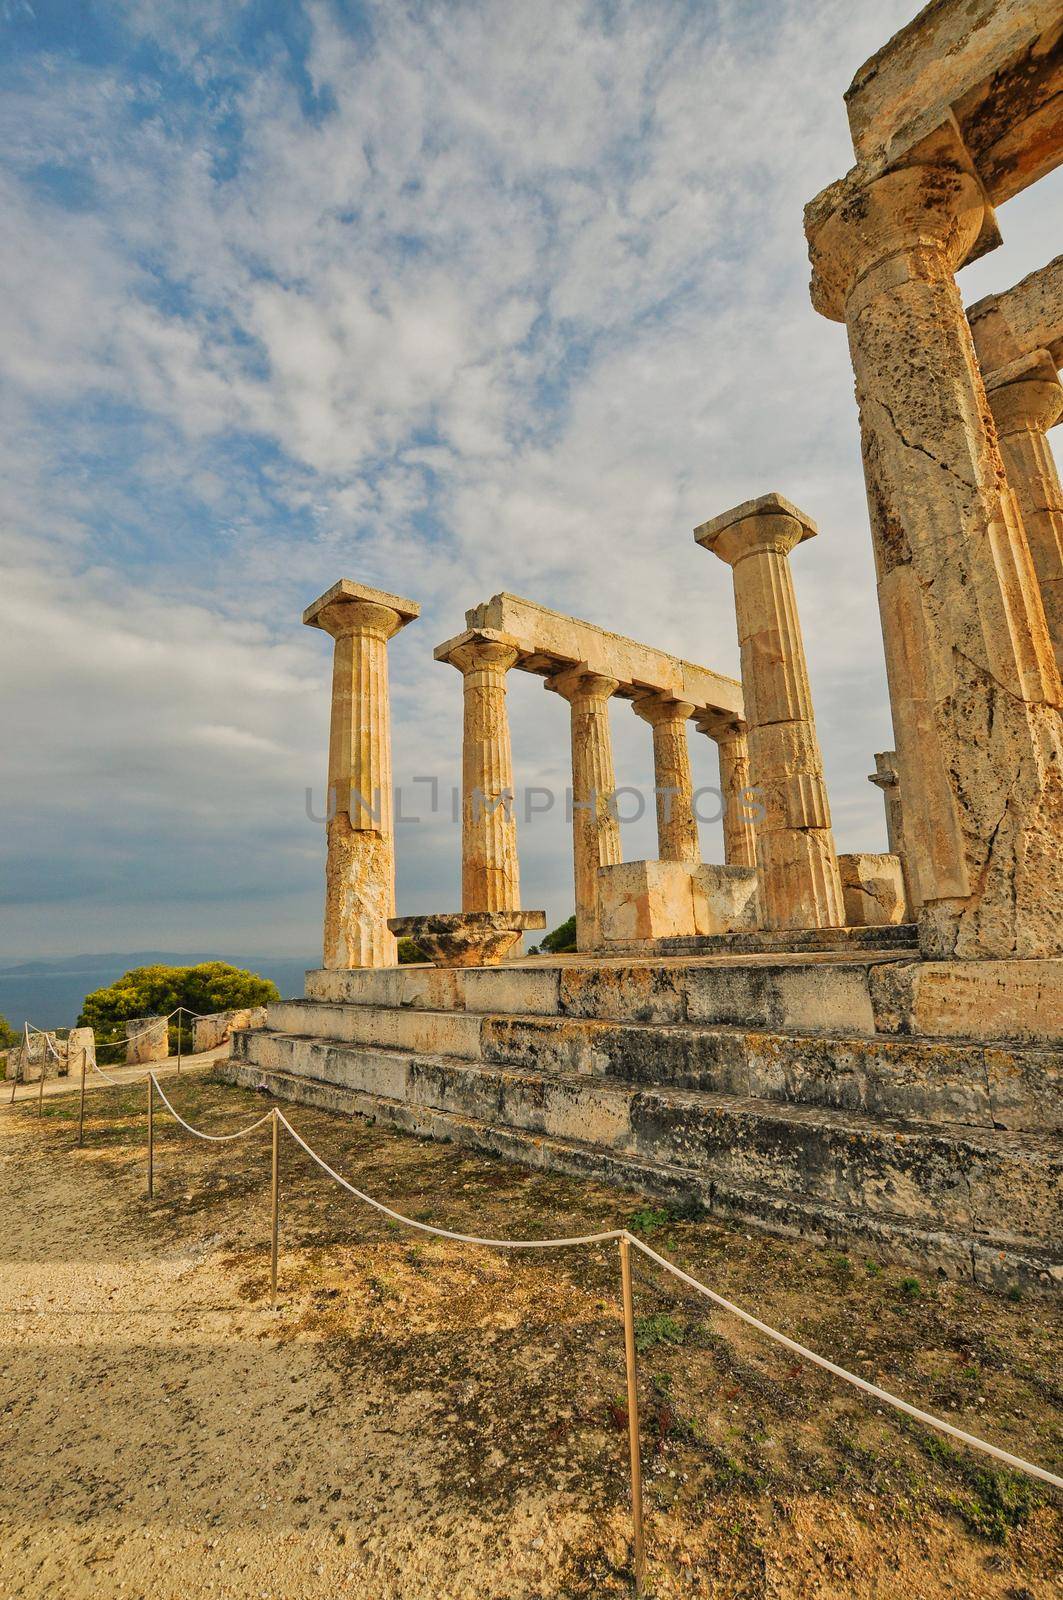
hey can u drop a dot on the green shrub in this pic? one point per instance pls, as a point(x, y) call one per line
point(156, 991)
point(562, 940)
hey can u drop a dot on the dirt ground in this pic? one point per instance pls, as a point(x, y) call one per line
point(421, 1419)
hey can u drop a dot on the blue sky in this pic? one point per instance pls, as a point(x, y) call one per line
point(446, 298)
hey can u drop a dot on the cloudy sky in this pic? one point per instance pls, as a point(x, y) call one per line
point(447, 298)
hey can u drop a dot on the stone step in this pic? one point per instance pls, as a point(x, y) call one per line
point(923, 1080)
point(994, 1260)
point(960, 1179)
point(801, 996)
point(899, 938)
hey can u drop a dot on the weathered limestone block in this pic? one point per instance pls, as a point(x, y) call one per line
point(360, 866)
point(677, 828)
point(595, 826)
point(490, 873)
point(1020, 1000)
point(147, 1039)
point(974, 686)
point(796, 861)
point(209, 1033)
point(873, 890)
point(40, 1055)
point(646, 900)
point(80, 1051)
point(725, 898)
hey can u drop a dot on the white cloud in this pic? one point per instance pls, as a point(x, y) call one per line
point(522, 301)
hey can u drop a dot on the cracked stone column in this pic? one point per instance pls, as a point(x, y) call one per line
point(739, 830)
point(677, 828)
point(360, 866)
point(974, 686)
point(796, 860)
point(1026, 399)
point(490, 873)
point(595, 826)
point(887, 778)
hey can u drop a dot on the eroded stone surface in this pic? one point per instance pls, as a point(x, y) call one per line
point(360, 864)
point(147, 1039)
point(873, 890)
point(796, 861)
point(211, 1031)
point(974, 686)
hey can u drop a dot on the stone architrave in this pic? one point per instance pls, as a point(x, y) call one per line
point(595, 826)
point(490, 872)
point(360, 867)
point(796, 858)
point(677, 828)
point(1026, 399)
point(974, 686)
point(738, 806)
point(887, 778)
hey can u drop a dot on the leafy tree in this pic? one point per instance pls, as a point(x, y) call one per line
point(562, 940)
point(156, 991)
point(9, 1036)
point(410, 953)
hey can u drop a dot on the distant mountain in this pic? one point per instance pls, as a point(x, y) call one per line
point(50, 993)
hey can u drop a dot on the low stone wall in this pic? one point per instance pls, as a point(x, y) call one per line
point(51, 1057)
point(208, 1033)
point(147, 1039)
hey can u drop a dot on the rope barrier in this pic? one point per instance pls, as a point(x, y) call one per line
point(626, 1241)
point(215, 1138)
point(925, 1417)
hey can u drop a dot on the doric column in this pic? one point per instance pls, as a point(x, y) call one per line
point(1026, 399)
point(973, 681)
point(595, 826)
point(490, 875)
point(887, 778)
point(360, 867)
point(739, 832)
point(796, 860)
point(677, 828)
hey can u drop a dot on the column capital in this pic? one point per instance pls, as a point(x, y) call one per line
point(770, 523)
point(859, 222)
point(885, 775)
point(580, 683)
point(350, 607)
point(657, 707)
point(477, 649)
point(1026, 395)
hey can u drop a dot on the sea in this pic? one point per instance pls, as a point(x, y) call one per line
point(50, 993)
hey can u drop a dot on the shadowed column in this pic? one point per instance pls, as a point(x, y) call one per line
point(739, 831)
point(974, 686)
point(360, 867)
point(887, 778)
point(677, 828)
point(490, 874)
point(796, 861)
point(1026, 399)
point(595, 828)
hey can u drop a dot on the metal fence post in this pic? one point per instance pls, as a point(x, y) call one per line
point(151, 1136)
point(276, 1186)
point(81, 1108)
point(633, 1415)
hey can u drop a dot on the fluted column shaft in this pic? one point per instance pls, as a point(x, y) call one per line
point(677, 828)
point(1024, 408)
point(595, 826)
point(360, 862)
point(974, 686)
point(798, 868)
point(490, 873)
point(739, 833)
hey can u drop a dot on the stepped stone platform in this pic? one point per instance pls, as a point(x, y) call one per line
point(798, 1092)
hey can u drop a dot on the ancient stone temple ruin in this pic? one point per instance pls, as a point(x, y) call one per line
point(863, 1048)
